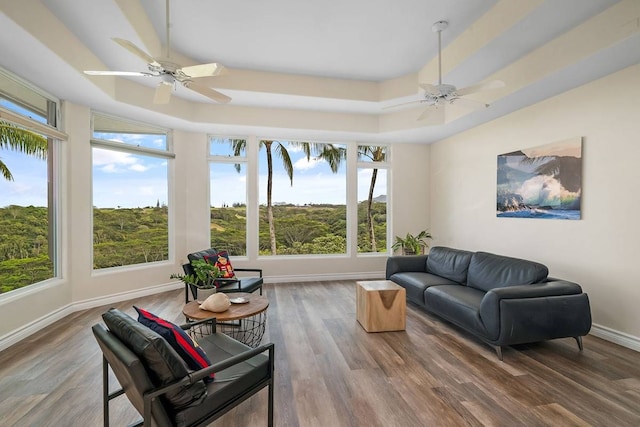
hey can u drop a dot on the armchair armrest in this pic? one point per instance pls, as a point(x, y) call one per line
point(211, 321)
point(397, 264)
point(257, 270)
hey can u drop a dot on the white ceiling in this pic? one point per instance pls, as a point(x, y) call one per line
point(318, 69)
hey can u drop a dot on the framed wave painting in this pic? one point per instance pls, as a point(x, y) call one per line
point(541, 182)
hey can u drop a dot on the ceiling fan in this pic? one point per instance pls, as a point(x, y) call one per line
point(437, 97)
point(169, 72)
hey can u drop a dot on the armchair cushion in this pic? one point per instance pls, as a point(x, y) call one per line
point(187, 348)
point(164, 364)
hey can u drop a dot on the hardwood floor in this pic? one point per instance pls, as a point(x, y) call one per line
point(330, 372)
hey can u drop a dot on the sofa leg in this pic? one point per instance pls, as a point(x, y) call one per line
point(499, 351)
point(579, 341)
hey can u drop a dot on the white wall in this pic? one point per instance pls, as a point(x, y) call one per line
point(600, 252)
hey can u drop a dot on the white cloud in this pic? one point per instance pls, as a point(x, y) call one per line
point(137, 167)
point(110, 161)
point(304, 164)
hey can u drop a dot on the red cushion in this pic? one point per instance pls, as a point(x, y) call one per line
point(221, 260)
point(188, 349)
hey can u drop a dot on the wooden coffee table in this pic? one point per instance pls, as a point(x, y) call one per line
point(244, 322)
point(381, 305)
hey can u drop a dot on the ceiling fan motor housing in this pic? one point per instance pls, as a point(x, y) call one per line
point(442, 93)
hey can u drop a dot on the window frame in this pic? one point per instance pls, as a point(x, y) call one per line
point(166, 153)
point(386, 165)
point(55, 143)
point(229, 159)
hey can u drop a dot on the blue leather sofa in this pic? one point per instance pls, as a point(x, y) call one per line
point(501, 300)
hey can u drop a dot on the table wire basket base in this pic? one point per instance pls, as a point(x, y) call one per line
point(248, 331)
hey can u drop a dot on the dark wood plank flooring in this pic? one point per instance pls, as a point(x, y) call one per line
point(330, 372)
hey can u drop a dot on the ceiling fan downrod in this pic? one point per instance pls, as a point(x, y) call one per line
point(438, 27)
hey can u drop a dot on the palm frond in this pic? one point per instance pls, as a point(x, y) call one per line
point(286, 160)
point(18, 139)
point(4, 170)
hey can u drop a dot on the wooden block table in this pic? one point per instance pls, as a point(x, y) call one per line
point(381, 305)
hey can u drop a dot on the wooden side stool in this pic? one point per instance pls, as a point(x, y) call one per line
point(381, 305)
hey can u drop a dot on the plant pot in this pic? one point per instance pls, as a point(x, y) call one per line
point(203, 293)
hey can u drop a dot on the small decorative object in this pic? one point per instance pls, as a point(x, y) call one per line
point(217, 303)
point(413, 245)
point(239, 300)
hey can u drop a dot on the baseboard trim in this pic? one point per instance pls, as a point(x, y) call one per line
point(325, 277)
point(31, 328)
point(616, 337)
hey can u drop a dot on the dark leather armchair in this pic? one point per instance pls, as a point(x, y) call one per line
point(238, 284)
point(160, 386)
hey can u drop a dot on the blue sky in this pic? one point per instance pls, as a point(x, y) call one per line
point(313, 181)
point(122, 179)
point(29, 185)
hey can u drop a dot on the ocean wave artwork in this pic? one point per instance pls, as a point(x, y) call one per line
point(541, 182)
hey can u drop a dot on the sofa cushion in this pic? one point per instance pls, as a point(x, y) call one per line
point(458, 304)
point(488, 271)
point(178, 339)
point(449, 263)
point(416, 282)
point(163, 363)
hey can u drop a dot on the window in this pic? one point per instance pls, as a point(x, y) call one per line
point(372, 198)
point(228, 195)
point(300, 202)
point(29, 147)
point(302, 198)
point(130, 192)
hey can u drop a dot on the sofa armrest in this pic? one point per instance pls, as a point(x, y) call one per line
point(546, 289)
point(537, 295)
point(397, 264)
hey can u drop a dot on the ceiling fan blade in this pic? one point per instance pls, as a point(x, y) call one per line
point(207, 91)
point(469, 103)
point(163, 93)
point(202, 70)
point(431, 89)
point(419, 101)
point(118, 73)
point(136, 51)
point(433, 115)
point(495, 84)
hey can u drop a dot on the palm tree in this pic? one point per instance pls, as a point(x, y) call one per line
point(376, 154)
point(329, 152)
point(18, 139)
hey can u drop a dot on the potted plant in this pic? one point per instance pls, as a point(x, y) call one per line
point(204, 278)
point(413, 245)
